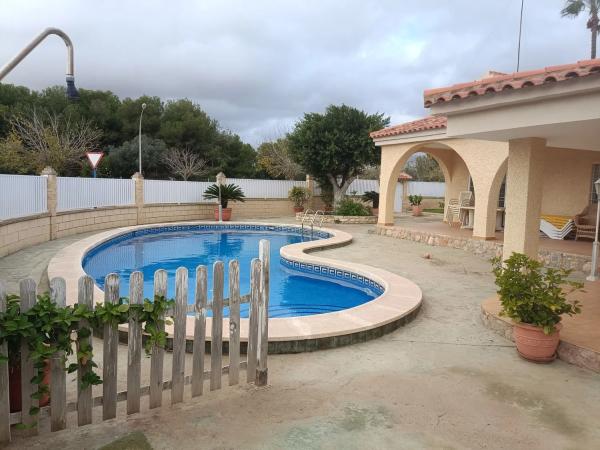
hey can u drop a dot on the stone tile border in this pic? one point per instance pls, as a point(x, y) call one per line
point(567, 351)
point(329, 218)
point(399, 303)
point(483, 248)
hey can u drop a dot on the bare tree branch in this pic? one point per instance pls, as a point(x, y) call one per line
point(185, 163)
point(55, 140)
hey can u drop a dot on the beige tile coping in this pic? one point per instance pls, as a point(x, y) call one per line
point(400, 299)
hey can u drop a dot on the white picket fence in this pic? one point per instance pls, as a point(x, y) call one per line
point(265, 188)
point(166, 191)
point(255, 363)
point(82, 193)
point(22, 195)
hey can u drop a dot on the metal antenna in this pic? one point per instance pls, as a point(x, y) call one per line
point(520, 34)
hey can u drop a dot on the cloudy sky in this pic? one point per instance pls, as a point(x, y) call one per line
point(258, 65)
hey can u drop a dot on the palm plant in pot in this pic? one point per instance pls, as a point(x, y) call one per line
point(228, 193)
point(373, 197)
point(534, 298)
point(299, 196)
point(415, 203)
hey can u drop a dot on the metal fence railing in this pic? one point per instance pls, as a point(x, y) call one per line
point(22, 195)
point(82, 193)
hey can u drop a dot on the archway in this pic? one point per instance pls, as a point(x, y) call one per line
point(462, 162)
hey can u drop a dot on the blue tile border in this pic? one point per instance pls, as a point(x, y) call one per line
point(317, 234)
point(335, 274)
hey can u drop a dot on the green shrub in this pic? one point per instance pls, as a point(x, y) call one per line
point(299, 196)
point(373, 197)
point(349, 207)
point(534, 295)
point(415, 200)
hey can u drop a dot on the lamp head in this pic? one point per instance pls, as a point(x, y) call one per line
point(143, 106)
point(221, 178)
point(72, 93)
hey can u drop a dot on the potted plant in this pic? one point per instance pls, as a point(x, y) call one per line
point(228, 192)
point(373, 197)
point(415, 202)
point(535, 299)
point(299, 196)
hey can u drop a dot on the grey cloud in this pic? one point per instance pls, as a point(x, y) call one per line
point(257, 66)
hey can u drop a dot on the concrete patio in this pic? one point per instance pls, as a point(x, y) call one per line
point(442, 381)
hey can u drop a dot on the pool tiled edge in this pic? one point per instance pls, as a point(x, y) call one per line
point(398, 302)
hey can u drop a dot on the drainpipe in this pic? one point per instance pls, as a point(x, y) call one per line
point(72, 93)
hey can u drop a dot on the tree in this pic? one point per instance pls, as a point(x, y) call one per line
point(335, 147)
point(54, 140)
point(275, 158)
point(124, 159)
point(424, 168)
point(185, 164)
point(575, 7)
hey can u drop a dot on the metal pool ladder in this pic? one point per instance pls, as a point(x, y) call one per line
point(311, 216)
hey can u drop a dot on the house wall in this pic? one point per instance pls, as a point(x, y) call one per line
point(567, 180)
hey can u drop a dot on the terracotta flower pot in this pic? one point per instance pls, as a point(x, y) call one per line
point(375, 211)
point(14, 381)
point(533, 344)
point(226, 214)
point(417, 210)
point(298, 209)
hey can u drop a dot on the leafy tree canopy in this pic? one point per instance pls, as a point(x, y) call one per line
point(177, 124)
point(335, 147)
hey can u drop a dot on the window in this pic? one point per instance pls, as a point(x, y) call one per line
point(595, 176)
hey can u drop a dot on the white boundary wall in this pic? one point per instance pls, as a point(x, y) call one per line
point(84, 193)
point(22, 195)
point(166, 191)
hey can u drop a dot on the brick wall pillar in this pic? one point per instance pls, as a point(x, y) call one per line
point(139, 196)
point(51, 200)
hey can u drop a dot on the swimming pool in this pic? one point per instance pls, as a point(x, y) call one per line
point(296, 289)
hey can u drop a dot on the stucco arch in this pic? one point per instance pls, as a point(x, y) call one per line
point(458, 158)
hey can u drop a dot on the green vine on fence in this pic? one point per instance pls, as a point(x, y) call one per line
point(49, 329)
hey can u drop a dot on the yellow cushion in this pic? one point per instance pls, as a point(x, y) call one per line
point(558, 221)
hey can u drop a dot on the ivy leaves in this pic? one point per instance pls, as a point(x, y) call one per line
point(50, 330)
point(532, 294)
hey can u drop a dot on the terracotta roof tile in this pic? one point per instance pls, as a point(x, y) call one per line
point(427, 123)
point(500, 82)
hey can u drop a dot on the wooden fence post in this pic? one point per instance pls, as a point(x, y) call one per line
point(199, 331)
point(178, 368)
point(58, 376)
point(156, 363)
point(263, 315)
point(84, 396)
point(234, 322)
point(255, 277)
point(111, 348)
point(134, 344)
point(4, 383)
point(28, 299)
point(216, 337)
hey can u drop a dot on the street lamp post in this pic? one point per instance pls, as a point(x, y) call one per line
point(220, 181)
point(140, 139)
point(596, 248)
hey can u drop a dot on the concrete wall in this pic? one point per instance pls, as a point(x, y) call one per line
point(25, 232)
point(18, 234)
point(567, 178)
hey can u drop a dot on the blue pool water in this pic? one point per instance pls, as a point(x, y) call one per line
point(294, 291)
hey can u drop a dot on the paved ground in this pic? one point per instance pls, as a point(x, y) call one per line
point(443, 381)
